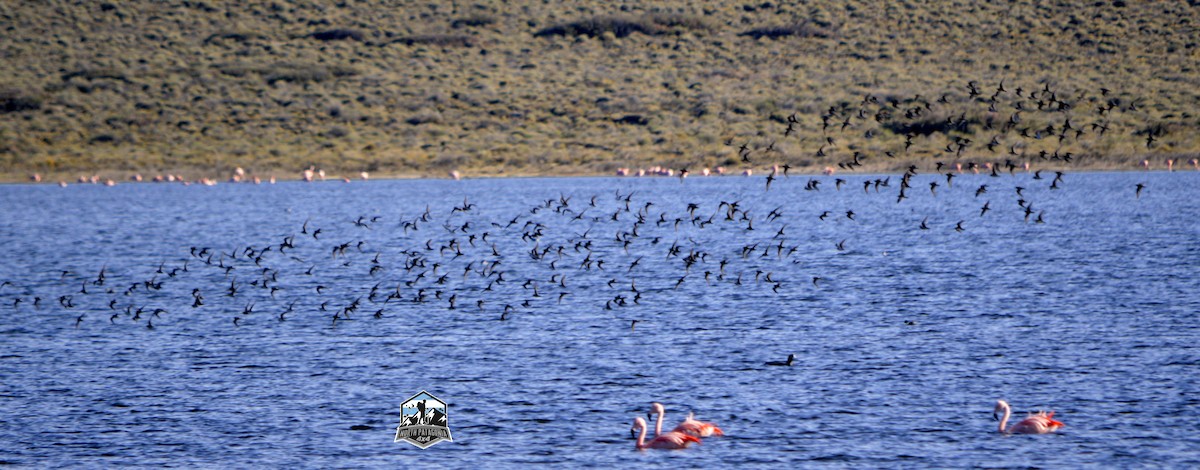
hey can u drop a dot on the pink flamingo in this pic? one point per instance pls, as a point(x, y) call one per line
point(1037, 423)
point(689, 426)
point(671, 440)
point(692, 426)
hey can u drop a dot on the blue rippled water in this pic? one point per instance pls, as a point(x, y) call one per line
point(902, 345)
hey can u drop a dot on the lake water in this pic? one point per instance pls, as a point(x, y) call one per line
point(903, 344)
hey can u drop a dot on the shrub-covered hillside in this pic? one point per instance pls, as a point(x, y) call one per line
point(199, 87)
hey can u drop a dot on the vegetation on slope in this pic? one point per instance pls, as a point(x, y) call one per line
point(585, 87)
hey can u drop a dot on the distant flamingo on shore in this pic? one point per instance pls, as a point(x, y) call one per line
point(689, 426)
point(1037, 423)
point(671, 440)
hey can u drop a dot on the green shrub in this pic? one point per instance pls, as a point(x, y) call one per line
point(933, 124)
point(97, 73)
point(448, 40)
point(475, 20)
point(803, 30)
point(618, 26)
point(12, 101)
point(304, 73)
point(340, 34)
point(237, 36)
point(427, 116)
point(239, 70)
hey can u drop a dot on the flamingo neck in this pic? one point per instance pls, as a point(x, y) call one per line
point(641, 442)
point(1004, 419)
point(658, 425)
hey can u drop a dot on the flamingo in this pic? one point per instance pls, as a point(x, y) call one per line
point(671, 440)
point(1037, 423)
point(692, 426)
point(689, 426)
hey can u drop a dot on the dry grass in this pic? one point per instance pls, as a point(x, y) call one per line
point(584, 87)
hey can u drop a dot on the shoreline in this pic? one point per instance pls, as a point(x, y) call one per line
point(133, 178)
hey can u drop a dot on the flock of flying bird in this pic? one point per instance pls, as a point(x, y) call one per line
point(620, 251)
point(601, 253)
point(1024, 128)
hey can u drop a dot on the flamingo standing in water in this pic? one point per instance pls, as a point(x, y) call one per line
point(689, 426)
point(1037, 423)
point(671, 440)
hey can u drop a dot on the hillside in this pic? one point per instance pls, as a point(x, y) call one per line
point(519, 87)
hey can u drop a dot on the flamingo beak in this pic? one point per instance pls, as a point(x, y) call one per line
point(631, 434)
point(994, 417)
